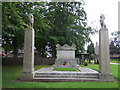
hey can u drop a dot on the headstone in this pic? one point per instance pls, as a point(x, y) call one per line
point(28, 60)
point(104, 58)
point(66, 54)
point(96, 53)
point(82, 60)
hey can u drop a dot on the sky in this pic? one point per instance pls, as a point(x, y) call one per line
point(94, 8)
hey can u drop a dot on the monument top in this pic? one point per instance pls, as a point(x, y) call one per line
point(102, 23)
point(31, 20)
point(66, 47)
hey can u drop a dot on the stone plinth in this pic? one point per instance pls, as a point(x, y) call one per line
point(104, 58)
point(65, 56)
point(28, 60)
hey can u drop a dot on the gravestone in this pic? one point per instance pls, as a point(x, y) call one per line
point(104, 58)
point(66, 56)
point(96, 53)
point(28, 60)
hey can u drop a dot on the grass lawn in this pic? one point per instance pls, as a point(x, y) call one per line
point(114, 69)
point(114, 61)
point(65, 69)
point(10, 73)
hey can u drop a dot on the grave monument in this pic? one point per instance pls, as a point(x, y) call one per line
point(66, 56)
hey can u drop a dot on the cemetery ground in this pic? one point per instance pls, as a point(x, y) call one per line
point(11, 73)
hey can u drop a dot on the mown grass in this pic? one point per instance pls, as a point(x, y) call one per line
point(10, 73)
point(41, 66)
point(114, 69)
point(65, 69)
point(114, 61)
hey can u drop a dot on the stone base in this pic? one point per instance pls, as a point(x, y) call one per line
point(27, 76)
point(59, 63)
point(106, 77)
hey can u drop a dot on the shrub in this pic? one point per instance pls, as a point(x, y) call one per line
point(85, 62)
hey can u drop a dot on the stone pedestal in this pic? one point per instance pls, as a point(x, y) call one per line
point(28, 60)
point(66, 56)
point(104, 58)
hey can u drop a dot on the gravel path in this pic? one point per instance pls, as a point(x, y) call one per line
point(115, 63)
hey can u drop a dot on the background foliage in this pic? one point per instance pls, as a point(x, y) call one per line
point(55, 22)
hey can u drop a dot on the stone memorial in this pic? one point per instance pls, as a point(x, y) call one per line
point(28, 60)
point(66, 56)
point(104, 58)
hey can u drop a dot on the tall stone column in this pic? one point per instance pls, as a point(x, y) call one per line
point(104, 58)
point(104, 53)
point(28, 60)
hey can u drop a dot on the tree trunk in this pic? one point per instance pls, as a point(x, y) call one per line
point(15, 48)
point(15, 52)
point(6, 51)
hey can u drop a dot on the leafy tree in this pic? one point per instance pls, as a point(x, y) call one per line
point(55, 22)
point(15, 21)
point(12, 26)
point(90, 48)
point(115, 44)
point(116, 40)
point(68, 24)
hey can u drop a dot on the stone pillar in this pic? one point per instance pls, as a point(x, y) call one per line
point(104, 58)
point(28, 60)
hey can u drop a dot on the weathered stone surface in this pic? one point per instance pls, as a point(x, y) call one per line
point(66, 47)
point(106, 77)
point(48, 75)
point(66, 55)
point(97, 49)
point(104, 58)
point(28, 60)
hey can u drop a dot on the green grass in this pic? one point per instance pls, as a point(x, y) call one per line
point(41, 66)
point(92, 66)
point(114, 61)
point(10, 73)
point(65, 69)
point(114, 69)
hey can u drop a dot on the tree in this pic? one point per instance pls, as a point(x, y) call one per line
point(68, 24)
point(13, 27)
point(55, 22)
point(116, 40)
point(15, 21)
point(90, 48)
point(115, 44)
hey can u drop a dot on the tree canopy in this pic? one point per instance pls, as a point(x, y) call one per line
point(55, 22)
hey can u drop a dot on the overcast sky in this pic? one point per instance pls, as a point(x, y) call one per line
point(94, 8)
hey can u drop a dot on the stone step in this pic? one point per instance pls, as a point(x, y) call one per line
point(64, 79)
point(66, 76)
point(64, 73)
